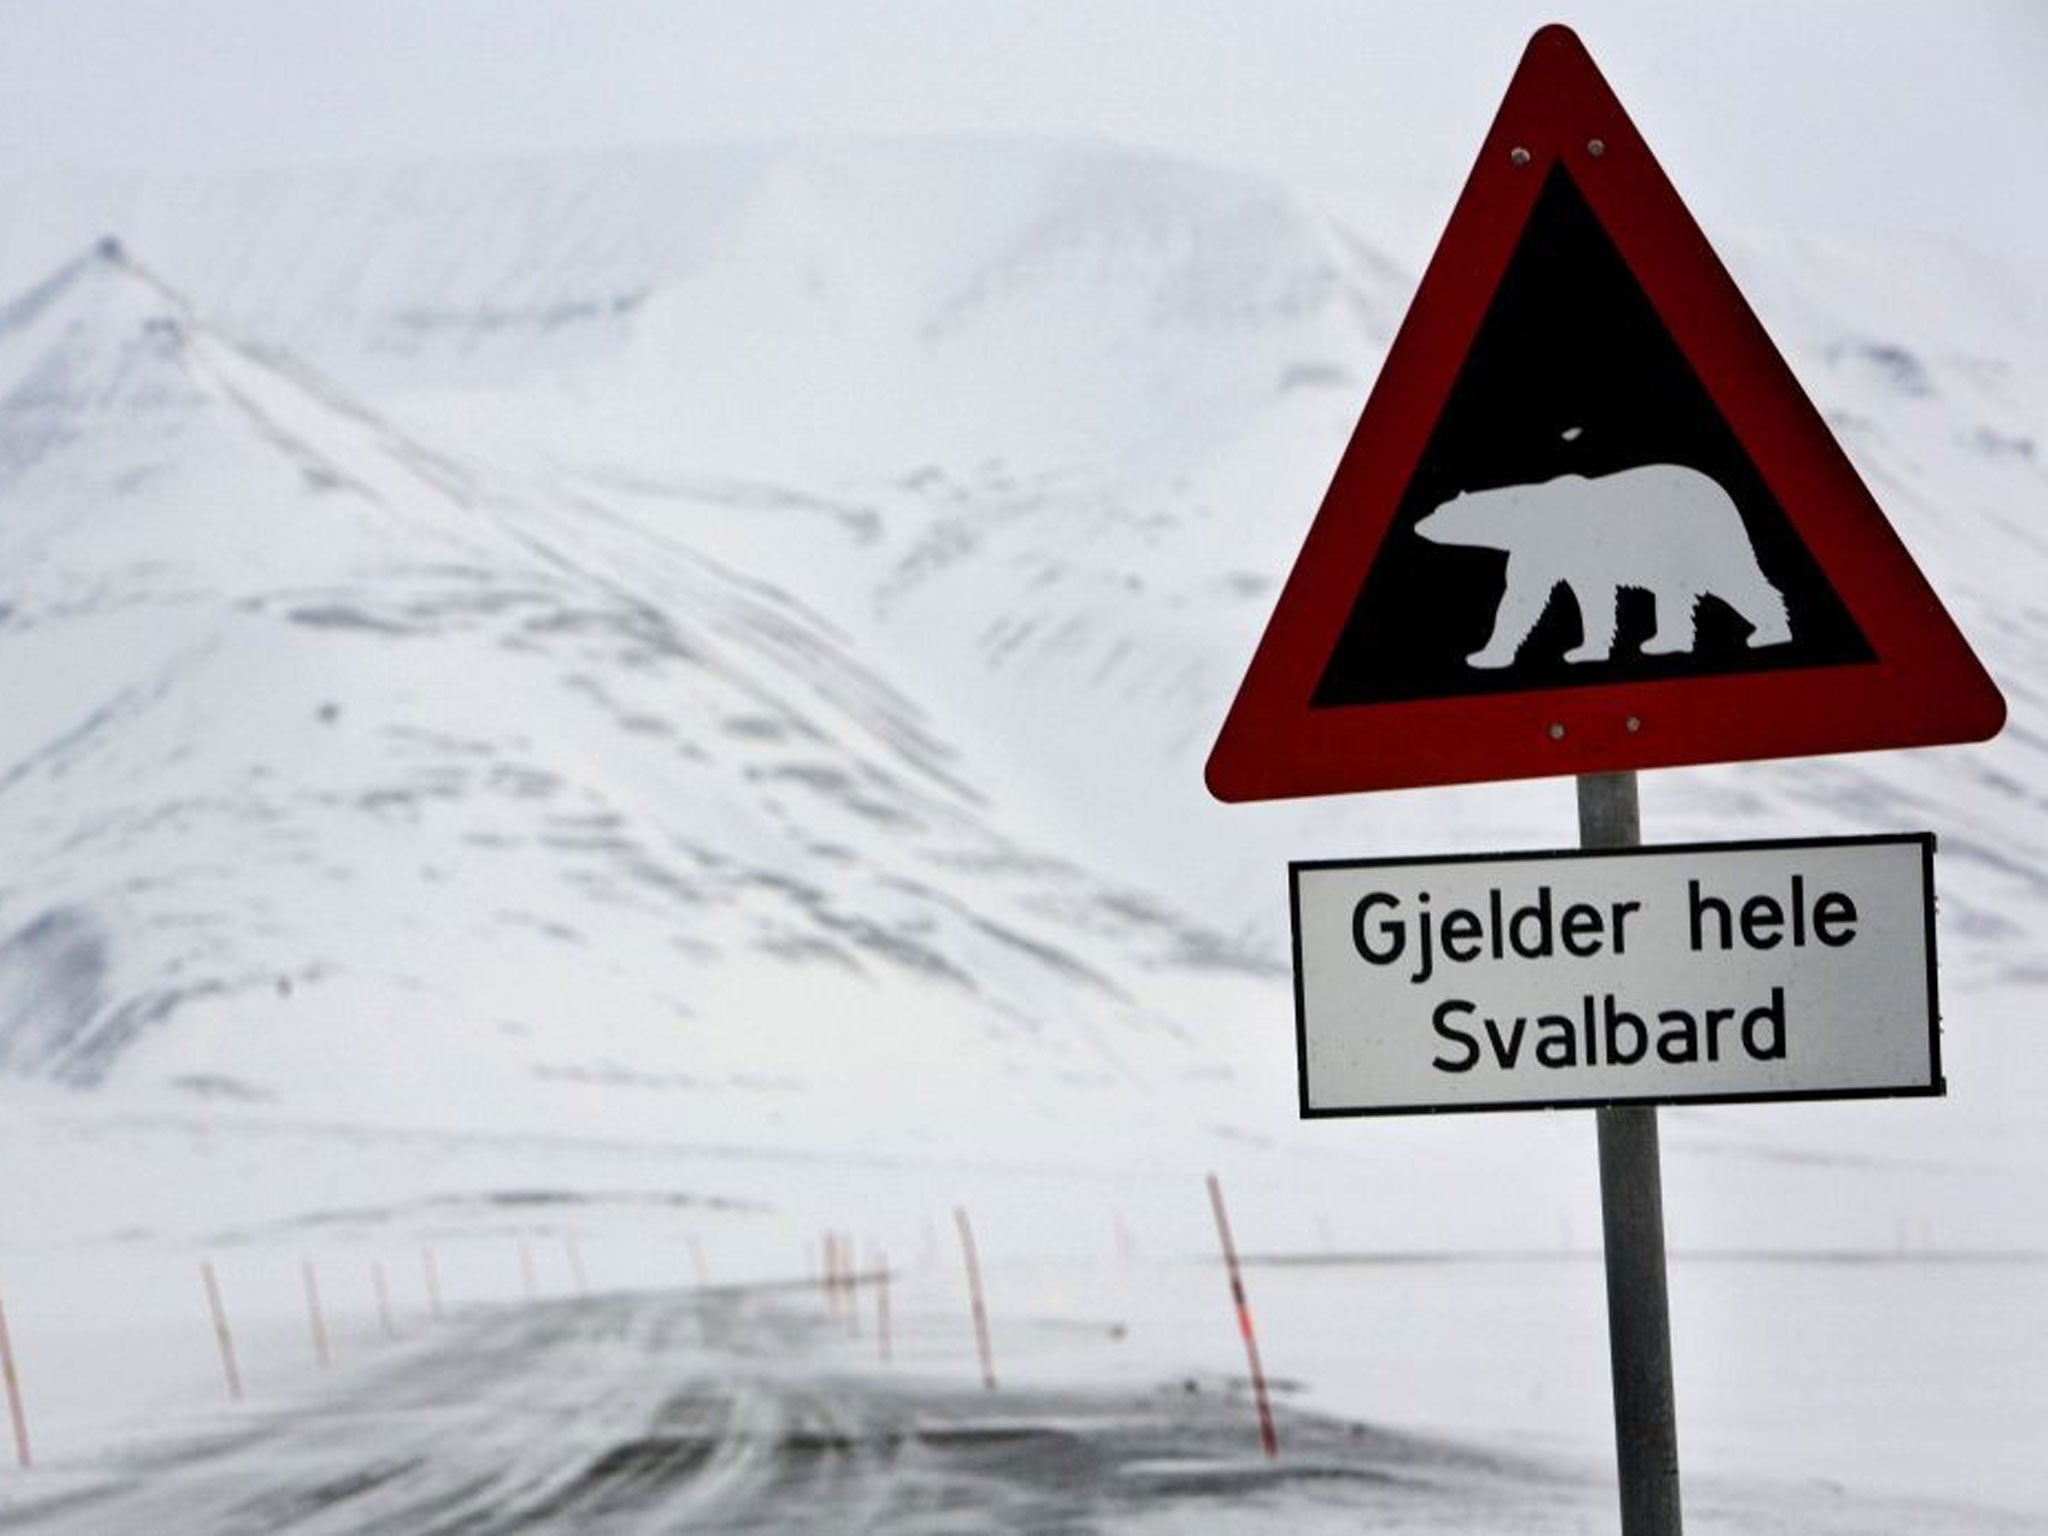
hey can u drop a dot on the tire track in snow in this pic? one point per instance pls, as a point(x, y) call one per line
point(729, 1411)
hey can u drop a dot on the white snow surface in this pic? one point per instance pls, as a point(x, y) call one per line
point(660, 695)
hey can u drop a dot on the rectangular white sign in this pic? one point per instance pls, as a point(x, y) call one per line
point(1674, 974)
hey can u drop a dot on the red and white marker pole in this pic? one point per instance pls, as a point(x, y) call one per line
point(314, 1317)
point(221, 1335)
point(988, 1359)
point(11, 1379)
point(882, 1302)
point(573, 1250)
point(1267, 1437)
point(383, 1299)
point(852, 1274)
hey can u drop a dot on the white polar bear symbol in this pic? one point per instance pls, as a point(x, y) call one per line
point(1665, 529)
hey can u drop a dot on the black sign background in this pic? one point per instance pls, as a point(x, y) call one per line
point(1570, 344)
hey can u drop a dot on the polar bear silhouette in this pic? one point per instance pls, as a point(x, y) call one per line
point(1662, 528)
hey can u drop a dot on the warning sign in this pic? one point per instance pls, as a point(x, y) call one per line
point(1782, 970)
point(1588, 520)
point(1582, 512)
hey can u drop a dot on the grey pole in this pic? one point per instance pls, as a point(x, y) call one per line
point(1632, 1225)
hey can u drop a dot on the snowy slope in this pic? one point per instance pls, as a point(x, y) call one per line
point(1080, 437)
point(565, 697)
point(871, 537)
point(313, 730)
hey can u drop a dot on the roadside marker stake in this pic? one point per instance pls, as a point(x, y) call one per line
point(988, 1359)
point(383, 1299)
point(846, 1249)
point(575, 1263)
point(433, 1277)
point(12, 1379)
point(882, 1302)
point(222, 1336)
point(1267, 1438)
point(313, 1314)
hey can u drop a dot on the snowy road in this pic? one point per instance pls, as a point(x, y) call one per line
point(746, 1410)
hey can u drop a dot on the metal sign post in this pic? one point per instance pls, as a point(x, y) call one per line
point(1632, 1230)
point(1579, 385)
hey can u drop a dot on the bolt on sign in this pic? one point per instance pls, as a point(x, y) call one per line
point(1670, 975)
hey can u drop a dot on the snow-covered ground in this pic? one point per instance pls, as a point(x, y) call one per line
point(632, 709)
point(736, 1410)
point(1414, 1392)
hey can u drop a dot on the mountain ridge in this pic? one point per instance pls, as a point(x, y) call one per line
point(911, 732)
point(809, 753)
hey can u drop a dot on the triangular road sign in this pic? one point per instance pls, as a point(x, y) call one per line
point(1588, 520)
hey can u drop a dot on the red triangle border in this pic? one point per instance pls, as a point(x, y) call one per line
point(1926, 685)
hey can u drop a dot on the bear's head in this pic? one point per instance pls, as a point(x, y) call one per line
point(1481, 518)
point(1494, 519)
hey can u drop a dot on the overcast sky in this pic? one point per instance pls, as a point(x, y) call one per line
point(1842, 116)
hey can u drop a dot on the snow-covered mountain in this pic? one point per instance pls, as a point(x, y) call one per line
point(331, 761)
point(625, 619)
